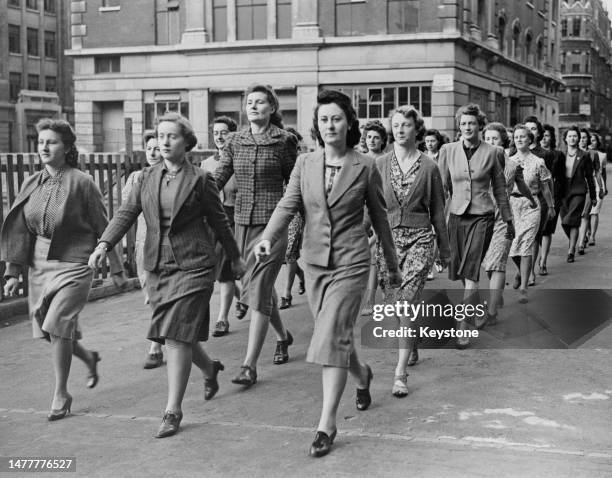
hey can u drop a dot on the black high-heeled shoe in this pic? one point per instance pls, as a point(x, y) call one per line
point(92, 378)
point(58, 414)
point(169, 425)
point(211, 385)
point(285, 302)
point(364, 399)
point(281, 354)
point(322, 443)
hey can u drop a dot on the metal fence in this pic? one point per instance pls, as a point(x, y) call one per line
point(110, 172)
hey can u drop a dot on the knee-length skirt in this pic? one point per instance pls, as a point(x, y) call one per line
point(57, 292)
point(496, 258)
point(335, 296)
point(470, 236)
point(526, 224)
point(180, 300)
point(415, 248)
point(258, 283)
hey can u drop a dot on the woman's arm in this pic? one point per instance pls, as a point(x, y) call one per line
point(215, 214)
point(225, 170)
point(437, 214)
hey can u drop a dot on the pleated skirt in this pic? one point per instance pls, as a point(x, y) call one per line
point(470, 236)
point(57, 293)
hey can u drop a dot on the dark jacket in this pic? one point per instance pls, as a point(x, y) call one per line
point(424, 206)
point(190, 238)
point(262, 166)
point(581, 182)
point(79, 224)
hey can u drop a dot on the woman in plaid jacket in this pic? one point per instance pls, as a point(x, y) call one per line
point(261, 157)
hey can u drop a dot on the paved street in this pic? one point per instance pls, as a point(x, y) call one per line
point(478, 412)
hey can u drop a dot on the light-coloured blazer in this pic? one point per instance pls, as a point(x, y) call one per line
point(334, 233)
point(468, 182)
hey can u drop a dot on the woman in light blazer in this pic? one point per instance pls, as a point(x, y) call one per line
point(333, 185)
point(175, 197)
point(52, 228)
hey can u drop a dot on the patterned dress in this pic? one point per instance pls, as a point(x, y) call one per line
point(526, 218)
point(414, 246)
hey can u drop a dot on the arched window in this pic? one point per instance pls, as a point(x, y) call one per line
point(515, 52)
point(539, 59)
point(501, 33)
point(528, 55)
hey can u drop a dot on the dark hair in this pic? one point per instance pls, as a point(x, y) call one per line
point(63, 128)
point(585, 131)
point(184, 125)
point(534, 119)
point(471, 109)
point(408, 111)
point(439, 137)
point(599, 142)
point(553, 135)
point(294, 132)
point(327, 97)
point(503, 133)
point(574, 128)
point(226, 120)
point(149, 134)
point(275, 118)
point(378, 127)
point(530, 134)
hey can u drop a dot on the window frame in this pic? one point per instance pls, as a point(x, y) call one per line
point(50, 11)
point(111, 60)
point(36, 31)
point(12, 29)
point(48, 44)
point(151, 99)
point(36, 78)
point(15, 87)
point(29, 7)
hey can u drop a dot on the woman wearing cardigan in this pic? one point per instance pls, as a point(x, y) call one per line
point(175, 198)
point(470, 168)
point(414, 196)
point(262, 157)
point(52, 228)
point(333, 185)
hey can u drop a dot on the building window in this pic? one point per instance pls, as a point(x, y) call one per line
point(516, 33)
point(283, 19)
point(376, 102)
point(49, 6)
point(501, 34)
point(51, 84)
point(157, 104)
point(575, 101)
point(576, 27)
point(107, 64)
point(539, 54)
point(32, 4)
point(220, 20)
point(14, 85)
point(111, 3)
point(564, 27)
point(528, 41)
point(252, 19)
point(402, 16)
point(50, 49)
point(33, 82)
point(14, 3)
point(32, 41)
point(14, 33)
point(350, 17)
point(587, 63)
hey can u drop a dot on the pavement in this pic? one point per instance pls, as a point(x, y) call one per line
point(544, 410)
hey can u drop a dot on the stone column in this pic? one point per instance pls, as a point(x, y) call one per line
point(231, 20)
point(492, 39)
point(307, 19)
point(475, 28)
point(195, 23)
point(271, 19)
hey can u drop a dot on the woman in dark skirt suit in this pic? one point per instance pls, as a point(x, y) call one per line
point(175, 198)
point(261, 157)
point(333, 185)
point(52, 228)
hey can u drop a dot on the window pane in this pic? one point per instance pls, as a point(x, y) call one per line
point(260, 22)
point(374, 111)
point(14, 3)
point(402, 16)
point(389, 101)
point(185, 109)
point(50, 83)
point(33, 4)
point(220, 20)
point(283, 19)
point(14, 39)
point(14, 85)
point(33, 82)
point(415, 97)
point(375, 94)
point(32, 36)
point(50, 50)
point(402, 93)
point(149, 115)
point(426, 100)
point(50, 6)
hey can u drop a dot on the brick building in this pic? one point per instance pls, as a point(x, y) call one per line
point(140, 58)
point(586, 65)
point(35, 75)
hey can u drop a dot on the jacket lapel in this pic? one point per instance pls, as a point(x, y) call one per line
point(347, 176)
point(315, 178)
point(27, 189)
point(579, 156)
point(187, 183)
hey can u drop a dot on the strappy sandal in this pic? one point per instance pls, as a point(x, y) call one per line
point(400, 386)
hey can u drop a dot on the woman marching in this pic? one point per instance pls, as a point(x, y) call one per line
point(175, 197)
point(333, 185)
point(414, 195)
point(52, 228)
point(526, 217)
point(262, 157)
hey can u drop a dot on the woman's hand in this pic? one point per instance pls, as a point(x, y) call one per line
point(97, 258)
point(11, 287)
point(395, 279)
point(510, 232)
point(551, 212)
point(262, 250)
point(238, 267)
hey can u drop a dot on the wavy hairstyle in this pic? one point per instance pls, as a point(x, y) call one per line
point(378, 127)
point(327, 97)
point(530, 134)
point(471, 109)
point(409, 111)
point(227, 121)
point(534, 119)
point(553, 135)
point(573, 128)
point(276, 117)
point(503, 133)
point(63, 128)
point(436, 134)
point(184, 125)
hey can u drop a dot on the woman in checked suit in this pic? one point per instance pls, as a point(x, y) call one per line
point(175, 197)
point(333, 185)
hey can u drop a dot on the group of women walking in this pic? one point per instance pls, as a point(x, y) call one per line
point(384, 218)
